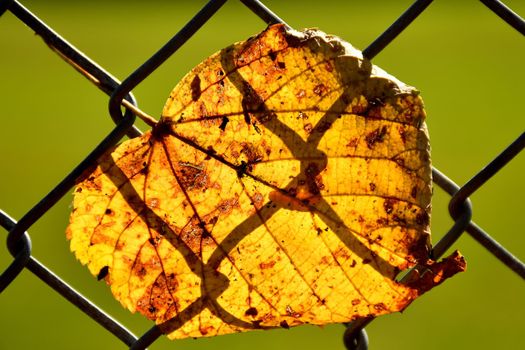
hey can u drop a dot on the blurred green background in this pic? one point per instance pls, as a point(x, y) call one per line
point(467, 63)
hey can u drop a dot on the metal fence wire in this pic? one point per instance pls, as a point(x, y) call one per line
point(18, 239)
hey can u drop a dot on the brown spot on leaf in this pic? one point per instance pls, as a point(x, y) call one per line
point(326, 260)
point(341, 253)
point(353, 142)
point(251, 312)
point(320, 89)
point(413, 193)
point(290, 312)
point(191, 176)
point(155, 239)
point(195, 88)
point(258, 200)
point(267, 265)
point(250, 151)
point(267, 318)
point(382, 221)
point(224, 122)
point(153, 202)
point(388, 205)
point(308, 127)
point(376, 136)
point(141, 271)
point(92, 183)
point(226, 207)
point(144, 307)
point(380, 307)
point(206, 330)
point(212, 220)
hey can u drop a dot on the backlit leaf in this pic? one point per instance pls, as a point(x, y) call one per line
point(287, 182)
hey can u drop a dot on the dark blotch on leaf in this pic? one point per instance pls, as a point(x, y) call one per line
point(388, 205)
point(376, 136)
point(319, 89)
point(224, 122)
point(196, 88)
point(191, 176)
point(103, 273)
point(413, 193)
point(251, 312)
point(251, 153)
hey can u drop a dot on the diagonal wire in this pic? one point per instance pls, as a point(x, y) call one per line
point(70, 294)
point(506, 14)
point(162, 54)
point(263, 12)
point(90, 69)
point(396, 28)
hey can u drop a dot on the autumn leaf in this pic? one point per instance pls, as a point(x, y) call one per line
point(287, 182)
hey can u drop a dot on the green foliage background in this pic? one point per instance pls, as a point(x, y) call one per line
point(467, 63)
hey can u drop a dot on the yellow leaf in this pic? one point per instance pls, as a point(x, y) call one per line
point(287, 182)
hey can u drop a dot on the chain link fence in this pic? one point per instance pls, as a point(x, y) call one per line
point(123, 110)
